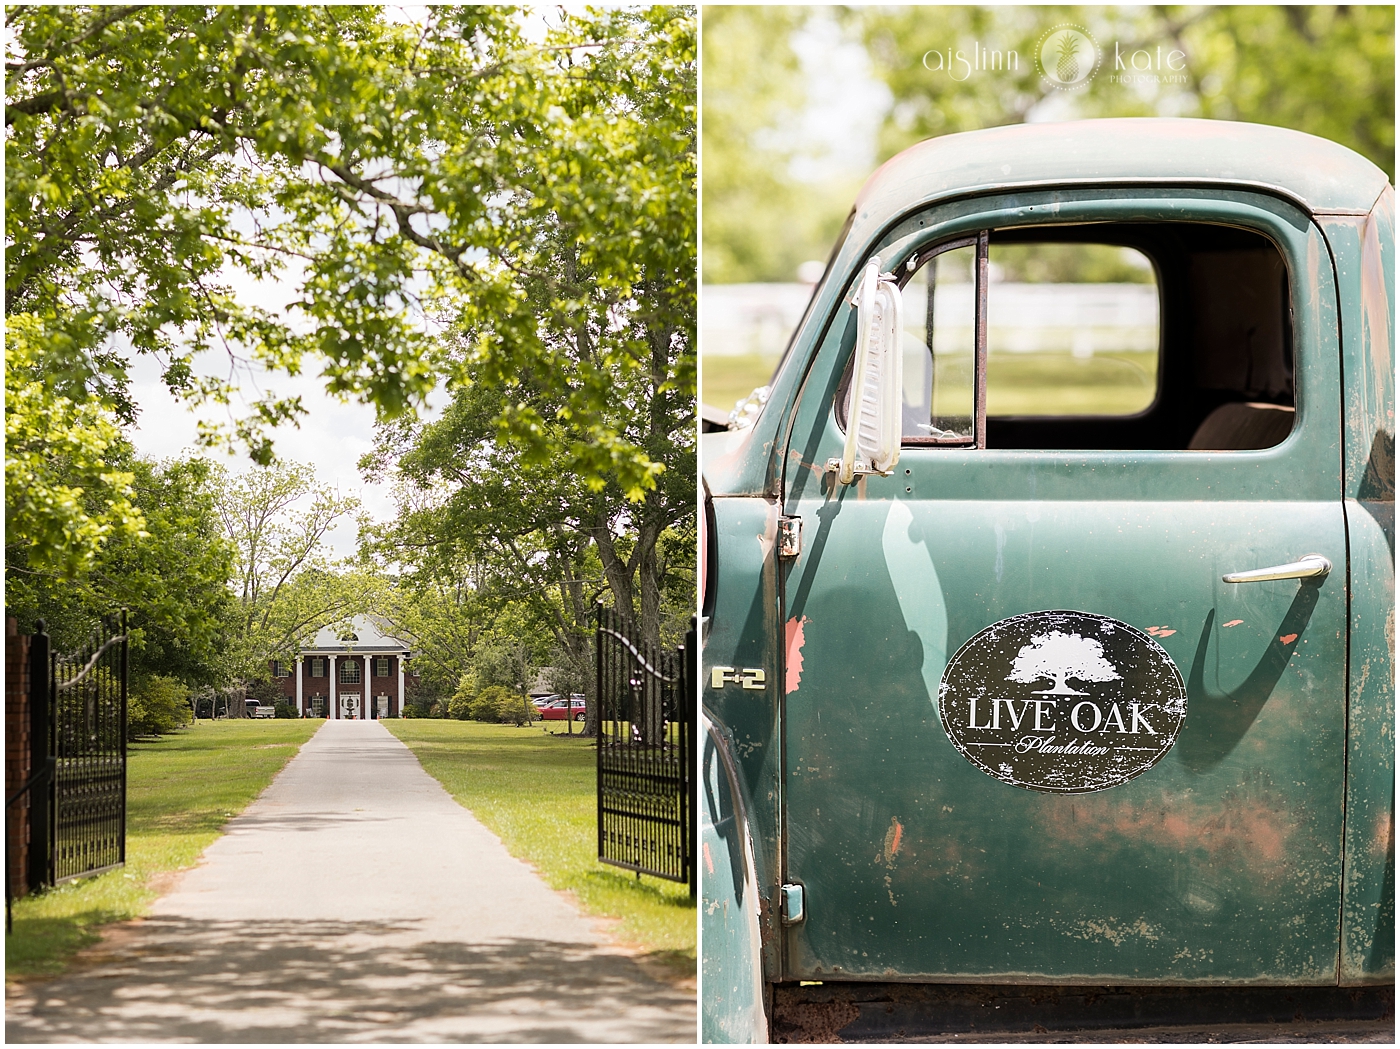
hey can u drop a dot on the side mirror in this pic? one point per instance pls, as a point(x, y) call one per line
point(874, 424)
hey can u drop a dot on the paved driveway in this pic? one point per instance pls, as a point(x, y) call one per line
point(356, 901)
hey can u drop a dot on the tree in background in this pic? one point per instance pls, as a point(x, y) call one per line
point(170, 571)
point(276, 519)
point(1324, 70)
point(393, 173)
point(607, 302)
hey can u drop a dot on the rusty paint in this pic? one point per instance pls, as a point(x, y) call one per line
point(813, 1023)
point(1375, 289)
point(1250, 825)
point(795, 638)
point(1160, 631)
point(893, 838)
point(1383, 837)
point(709, 860)
point(1233, 622)
point(768, 538)
point(1288, 639)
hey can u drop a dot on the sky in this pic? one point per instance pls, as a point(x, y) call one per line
point(332, 437)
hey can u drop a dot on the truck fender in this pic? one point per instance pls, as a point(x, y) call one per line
point(731, 985)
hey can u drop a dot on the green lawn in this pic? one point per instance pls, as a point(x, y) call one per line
point(181, 790)
point(1117, 383)
point(723, 380)
point(536, 792)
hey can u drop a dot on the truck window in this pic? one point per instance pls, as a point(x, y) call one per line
point(939, 347)
point(1072, 329)
point(1113, 335)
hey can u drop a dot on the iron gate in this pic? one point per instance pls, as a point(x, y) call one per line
point(646, 752)
point(77, 793)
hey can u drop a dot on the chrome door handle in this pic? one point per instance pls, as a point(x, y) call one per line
point(1309, 567)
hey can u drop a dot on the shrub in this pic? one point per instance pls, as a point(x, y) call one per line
point(284, 709)
point(155, 705)
point(462, 705)
point(516, 709)
point(502, 705)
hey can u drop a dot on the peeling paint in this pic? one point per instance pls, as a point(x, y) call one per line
point(1375, 289)
point(1108, 929)
point(1288, 639)
point(1252, 826)
point(1382, 841)
point(1160, 631)
point(1233, 622)
point(894, 837)
point(795, 632)
point(709, 860)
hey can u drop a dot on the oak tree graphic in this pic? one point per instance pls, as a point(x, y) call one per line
point(1059, 656)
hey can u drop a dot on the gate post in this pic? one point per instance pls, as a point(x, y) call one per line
point(600, 612)
point(41, 758)
point(690, 678)
point(123, 730)
point(18, 760)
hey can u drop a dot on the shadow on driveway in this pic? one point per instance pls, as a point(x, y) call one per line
point(177, 979)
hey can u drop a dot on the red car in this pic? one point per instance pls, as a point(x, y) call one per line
point(560, 709)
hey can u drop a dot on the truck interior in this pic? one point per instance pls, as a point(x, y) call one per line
point(1225, 365)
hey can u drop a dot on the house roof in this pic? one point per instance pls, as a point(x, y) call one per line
point(371, 637)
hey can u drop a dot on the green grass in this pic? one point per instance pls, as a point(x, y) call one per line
point(181, 790)
point(536, 792)
point(724, 380)
point(1118, 383)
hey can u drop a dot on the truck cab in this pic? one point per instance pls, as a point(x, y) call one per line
point(1048, 593)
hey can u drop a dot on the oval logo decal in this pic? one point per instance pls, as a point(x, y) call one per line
point(1062, 702)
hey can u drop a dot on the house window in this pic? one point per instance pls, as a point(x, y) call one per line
point(318, 666)
point(350, 672)
point(381, 666)
point(280, 669)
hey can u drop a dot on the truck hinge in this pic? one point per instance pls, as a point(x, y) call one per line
point(789, 536)
point(794, 904)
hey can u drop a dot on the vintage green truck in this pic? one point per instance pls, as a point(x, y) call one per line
point(1048, 592)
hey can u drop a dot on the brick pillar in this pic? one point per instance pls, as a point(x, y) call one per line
point(18, 755)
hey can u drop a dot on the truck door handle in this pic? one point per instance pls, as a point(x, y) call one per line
point(1310, 566)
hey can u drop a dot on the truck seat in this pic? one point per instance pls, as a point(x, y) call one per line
point(1239, 426)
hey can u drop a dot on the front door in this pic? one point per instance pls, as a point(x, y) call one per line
point(349, 704)
point(1166, 802)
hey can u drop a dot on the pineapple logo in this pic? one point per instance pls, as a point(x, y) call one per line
point(1067, 57)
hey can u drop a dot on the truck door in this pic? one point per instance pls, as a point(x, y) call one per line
point(1030, 731)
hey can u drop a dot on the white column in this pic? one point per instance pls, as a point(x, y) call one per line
point(400, 661)
point(334, 712)
point(301, 706)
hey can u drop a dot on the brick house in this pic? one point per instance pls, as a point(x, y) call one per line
point(359, 673)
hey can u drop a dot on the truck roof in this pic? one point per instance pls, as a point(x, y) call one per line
point(1319, 175)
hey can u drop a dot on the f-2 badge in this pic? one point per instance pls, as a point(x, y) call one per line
point(747, 677)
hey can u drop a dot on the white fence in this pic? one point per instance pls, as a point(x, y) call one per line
point(1080, 319)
